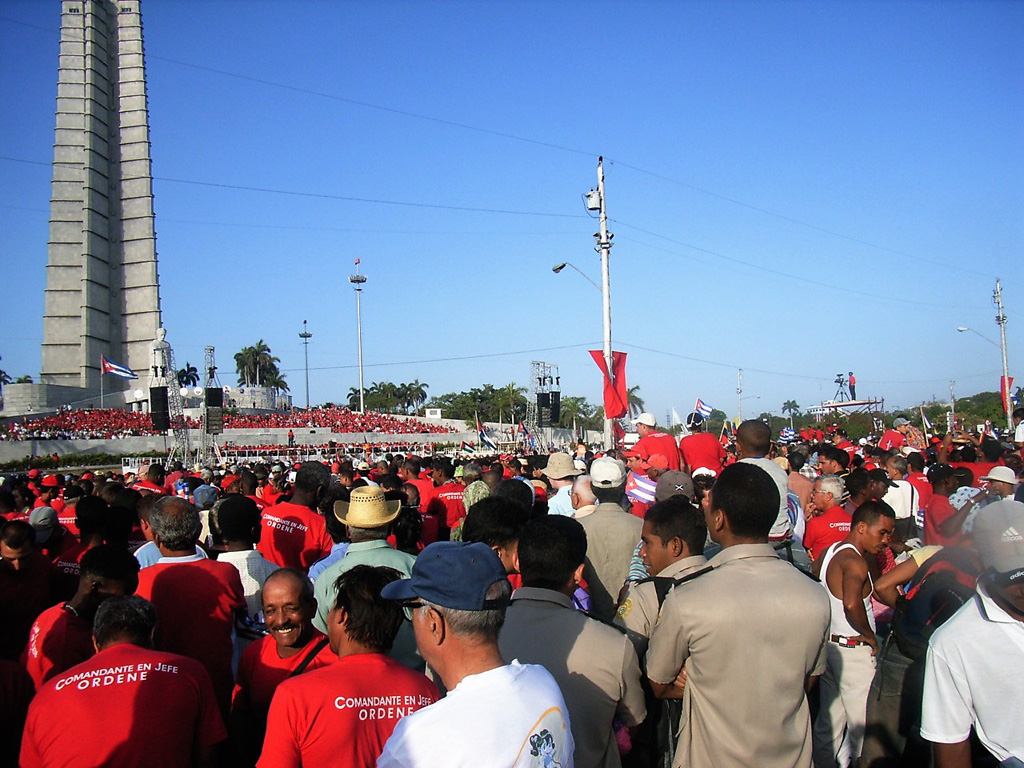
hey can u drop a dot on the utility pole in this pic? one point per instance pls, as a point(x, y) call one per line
point(997, 297)
point(596, 202)
point(306, 336)
point(739, 394)
point(357, 281)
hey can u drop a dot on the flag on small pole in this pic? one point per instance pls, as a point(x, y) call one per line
point(484, 439)
point(116, 369)
point(702, 408)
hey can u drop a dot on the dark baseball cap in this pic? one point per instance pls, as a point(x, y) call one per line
point(674, 483)
point(452, 574)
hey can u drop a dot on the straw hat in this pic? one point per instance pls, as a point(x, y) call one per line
point(560, 467)
point(367, 508)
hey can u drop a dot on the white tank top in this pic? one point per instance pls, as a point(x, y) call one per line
point(840, 624)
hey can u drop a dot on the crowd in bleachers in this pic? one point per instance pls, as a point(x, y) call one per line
point(337, 420)
point(113, 423)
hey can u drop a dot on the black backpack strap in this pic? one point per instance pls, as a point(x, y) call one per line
point(318, 646)
point(663, 584)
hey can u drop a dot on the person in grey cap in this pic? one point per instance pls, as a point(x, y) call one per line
point(612, 536)
point(972, 670)
point(895, 438)
point(496, 712)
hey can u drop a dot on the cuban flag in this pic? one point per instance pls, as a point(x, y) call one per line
point(787, 435)
point(116, 369)
point(484, 439)
point(702, 408)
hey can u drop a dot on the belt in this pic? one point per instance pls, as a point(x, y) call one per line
point(845, 642)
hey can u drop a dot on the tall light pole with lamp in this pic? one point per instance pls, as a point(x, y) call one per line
point(357, 281)
point(596, 202)
point(997, 299)
point(306, 336)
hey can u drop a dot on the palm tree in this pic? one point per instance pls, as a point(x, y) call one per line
point(634, 402)
point(791, 407)
point(417, 393)
point(188, 376)
point(255, 363)
point(353, 399)
point(26, 379)
point(275, 380)
point(507, 398)
point(574, 410)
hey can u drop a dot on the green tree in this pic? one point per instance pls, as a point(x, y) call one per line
point(26, 379)
point(188, 376)
point(634, 402)
point(792, 408)
point(256, 364)
point(508, 399)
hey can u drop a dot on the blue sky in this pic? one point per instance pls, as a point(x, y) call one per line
point(795, 189)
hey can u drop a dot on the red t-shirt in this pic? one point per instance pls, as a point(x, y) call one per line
point(658, 442)
point(826, 529)
point(978, 468)
point(58, 641)
point(260, 503)
point(293, 536)
point(126, 706)
point(145, 485)
point(702, 450)
point(891, 439)
point(924, 489)
point(426, 489)
point(343, 714)
point(67, 517)
point(196, 602)
point(447, 504)
point(66, 570)
point(938, 511)
point(261, 670)
point(24, 594)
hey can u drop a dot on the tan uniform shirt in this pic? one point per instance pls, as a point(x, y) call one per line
point(594, 664)
point(639, 611)
point(748, 633)
point(612, 536)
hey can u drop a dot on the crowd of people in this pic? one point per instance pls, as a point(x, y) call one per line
point(824, 602)
point(337, 419)
point(82, 424)
point(116, 423)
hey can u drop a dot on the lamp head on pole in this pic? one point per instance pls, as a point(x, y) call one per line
point(963, 329)
point(559, 267)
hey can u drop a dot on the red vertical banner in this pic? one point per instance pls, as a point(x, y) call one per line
point(1005, 388)
point(614, 383)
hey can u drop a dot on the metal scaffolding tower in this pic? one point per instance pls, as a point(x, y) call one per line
point(213, 418)
point(179, 427)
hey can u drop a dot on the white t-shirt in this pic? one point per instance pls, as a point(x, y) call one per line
point(508, 716)
point(972, 677)
point(903, 499)
point(781, 527)
point(1018, 433)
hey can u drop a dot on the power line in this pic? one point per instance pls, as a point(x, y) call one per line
point(524, 139)
point(447, 359)
point(787, 275)
point(326, 196)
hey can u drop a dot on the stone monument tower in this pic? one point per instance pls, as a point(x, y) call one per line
point(102, 286)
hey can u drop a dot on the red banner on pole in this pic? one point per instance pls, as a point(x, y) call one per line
point(1004, 388)
point(614, 385)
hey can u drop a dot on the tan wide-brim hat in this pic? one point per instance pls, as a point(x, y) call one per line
point(367, 508)
point(560, 467)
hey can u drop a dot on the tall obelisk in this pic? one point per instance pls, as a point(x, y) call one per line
point(102, 286)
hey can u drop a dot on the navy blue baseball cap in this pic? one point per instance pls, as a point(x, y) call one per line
point(452, 574)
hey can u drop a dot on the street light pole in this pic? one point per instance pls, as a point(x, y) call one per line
point(604, 245)
point(997, 297)
point(357, 281)
point(306, 336)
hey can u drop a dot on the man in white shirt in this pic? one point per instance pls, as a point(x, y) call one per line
point(560, 472)
point(495, 713)
point(972, 671)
